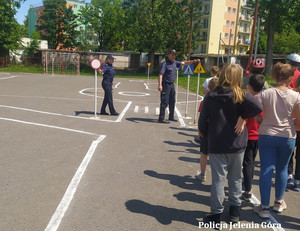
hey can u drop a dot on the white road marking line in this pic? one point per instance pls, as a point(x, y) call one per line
point(72, 188)
point(116, 86)
point(136, 109)
point(168, 111)
point(123, 112)
point(48, 126)
point(255, 201)
point(8, 77)
point(43, 112)
point(42, 97)
point(146, 86)
point(146, 110)
point(181, 121)
point(157, 111)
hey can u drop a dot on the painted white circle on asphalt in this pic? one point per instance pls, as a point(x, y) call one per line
point(131, 93)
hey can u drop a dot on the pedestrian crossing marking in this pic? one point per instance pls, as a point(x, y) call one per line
point(188, 70)
point(136, 109)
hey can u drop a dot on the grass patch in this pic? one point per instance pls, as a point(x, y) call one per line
point(22, 68)
point(86, 70)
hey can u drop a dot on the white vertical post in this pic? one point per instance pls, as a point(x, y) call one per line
point(177, 81)
point(196, 103)
point(148, 74)
point(96, 88)
point(187, 96)
point(52, 66)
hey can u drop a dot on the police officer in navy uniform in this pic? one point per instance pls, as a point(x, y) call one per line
point(108, 72)
point(166, 80)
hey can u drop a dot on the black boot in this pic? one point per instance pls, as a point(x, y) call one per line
point(213, 219)
point(234, 213)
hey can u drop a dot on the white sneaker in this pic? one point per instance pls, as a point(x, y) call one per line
point(279, 206)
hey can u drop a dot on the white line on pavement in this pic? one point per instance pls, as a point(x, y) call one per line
point(116, 86)
point(146, 86)
point(181, 121)
point(71, 190)
point(123, 112)
point(136, 109)
point(48, 126)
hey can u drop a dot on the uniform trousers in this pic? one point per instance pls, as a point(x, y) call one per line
point(167, 98)
point(108, 98)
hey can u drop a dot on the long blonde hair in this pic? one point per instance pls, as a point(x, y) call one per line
point(231, 76)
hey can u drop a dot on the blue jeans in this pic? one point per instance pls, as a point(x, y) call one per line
point(274, 152)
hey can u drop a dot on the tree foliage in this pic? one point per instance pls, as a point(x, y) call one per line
point(279, 17)
point(57, 25)
point(33, 46)
point(10, 31)
point(156, 26)
point(107, 20)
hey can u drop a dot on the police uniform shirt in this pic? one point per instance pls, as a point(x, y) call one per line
point(168, 70)
point(108, 72)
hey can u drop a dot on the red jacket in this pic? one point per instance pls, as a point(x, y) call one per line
point(252, 127)
point(293, 83)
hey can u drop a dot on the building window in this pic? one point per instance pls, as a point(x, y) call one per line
point(232, 24)
point(203, 49)
point(226, 35)
point(227, 22)
point(234, 10)
point(205, 23)
point(228, 9)
point(75, 6)
point(241, 50)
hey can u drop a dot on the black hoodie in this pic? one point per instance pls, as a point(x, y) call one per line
point(218, 117)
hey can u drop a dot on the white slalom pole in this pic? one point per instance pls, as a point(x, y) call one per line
point(187, 97)
point(52, 66)
point(177, 81)
point(96, 89)
point(196, 104)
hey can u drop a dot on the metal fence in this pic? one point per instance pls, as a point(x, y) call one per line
point(4, 62)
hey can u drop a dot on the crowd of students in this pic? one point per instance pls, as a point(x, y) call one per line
point(234, 124)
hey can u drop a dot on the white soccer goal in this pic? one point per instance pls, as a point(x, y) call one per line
point(56, 62)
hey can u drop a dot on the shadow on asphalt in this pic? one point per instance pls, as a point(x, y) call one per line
point(185, 182)
point(138, 120)
point(164, 215)
point(77, 113)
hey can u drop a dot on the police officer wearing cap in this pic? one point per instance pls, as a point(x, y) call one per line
point(108, 72)
point(166, 80)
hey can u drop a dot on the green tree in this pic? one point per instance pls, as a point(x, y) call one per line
point(57, 24)
point(279, 16)
point(156, 26)
point(106, 17)
point(33, 45)
point(10, 30)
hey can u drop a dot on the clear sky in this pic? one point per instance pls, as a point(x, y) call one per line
point(23, 10)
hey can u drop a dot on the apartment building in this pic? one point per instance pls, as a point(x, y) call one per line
point(225, 26)
point(35, 12)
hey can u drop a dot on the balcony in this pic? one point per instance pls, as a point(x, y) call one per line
point(244, 17)
point(245, 31)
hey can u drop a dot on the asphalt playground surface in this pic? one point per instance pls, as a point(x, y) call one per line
point(62, 169)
